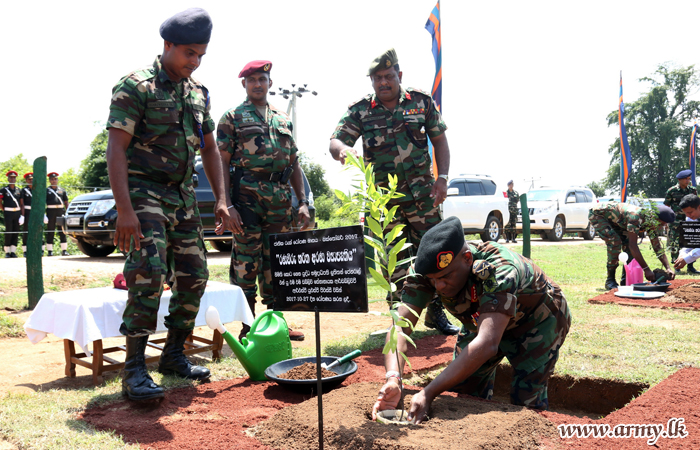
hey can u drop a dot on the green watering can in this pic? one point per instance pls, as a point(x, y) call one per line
point(266, 343)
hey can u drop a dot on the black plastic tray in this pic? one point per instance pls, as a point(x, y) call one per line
point(343, 370)
point(661, 287)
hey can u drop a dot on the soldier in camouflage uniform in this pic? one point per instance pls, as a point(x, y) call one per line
point(395, 125)
point(619, 224)
point(508, 308)
point(513, 199)
point(256, 140)
point(673, 200)
point(159, 118)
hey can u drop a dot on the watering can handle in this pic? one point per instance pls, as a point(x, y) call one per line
point(352, 355)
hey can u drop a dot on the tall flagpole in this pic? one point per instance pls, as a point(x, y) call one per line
point(693, 143)
point(434, 27)
point(625, 155)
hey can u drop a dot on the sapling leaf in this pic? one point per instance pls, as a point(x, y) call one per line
point(392, 263)
point(396, 232)
point(405, 358)
point(379, 278)
point(391, 213)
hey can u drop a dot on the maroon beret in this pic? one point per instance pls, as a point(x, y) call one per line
point(11, 173)
point(53, 174)
point(255, 66)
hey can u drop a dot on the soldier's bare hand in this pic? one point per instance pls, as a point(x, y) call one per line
point(389, 396)
point(670, 274)
point(439, 191)
point(304, 216)
point(236, 225)
point(649, 275)
point(344, 154)
point(420, 404)
point(128, 226)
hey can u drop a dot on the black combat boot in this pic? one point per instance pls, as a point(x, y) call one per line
point(173, 360)
point(610, 283)
point(7, 255)
point(691, 269)
point(64, 253)
point(50, 253)
point(513, 235)
point(436, 319)
point(137, 384)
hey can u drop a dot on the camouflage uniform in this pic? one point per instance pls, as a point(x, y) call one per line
point(506, 282)
point(673, 200)
point(396, 142)
point(613, 220)
point(259, 147)
point(168, 121)
point(56, 202)
point(513, 199)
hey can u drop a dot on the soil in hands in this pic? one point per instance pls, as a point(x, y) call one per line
point(454, 423)
point(306, 371)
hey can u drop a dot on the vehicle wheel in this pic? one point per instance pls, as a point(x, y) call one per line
point(493, 230)
point(557, 230)
point(589, 234)
point(95, 251)
point(222, 246)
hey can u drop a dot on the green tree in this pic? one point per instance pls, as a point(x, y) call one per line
point(316, 176)
point(93, 169)
point(597, 187)
point(19, 164)
point(658, 125)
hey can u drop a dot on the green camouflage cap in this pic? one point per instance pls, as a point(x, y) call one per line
point(440, 246)
point(383, 61)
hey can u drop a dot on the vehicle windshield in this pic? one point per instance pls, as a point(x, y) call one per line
point(543, 195)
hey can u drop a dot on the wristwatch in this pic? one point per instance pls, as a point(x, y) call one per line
point(445, 176)
point(304, 202)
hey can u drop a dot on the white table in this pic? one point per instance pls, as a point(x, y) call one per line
point(90, 315)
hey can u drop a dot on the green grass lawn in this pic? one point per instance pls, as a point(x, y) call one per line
point(608, 341)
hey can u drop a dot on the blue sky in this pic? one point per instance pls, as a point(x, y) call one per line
point(526, 91)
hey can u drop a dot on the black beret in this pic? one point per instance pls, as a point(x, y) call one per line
point(666, 214)
point(440, 246)
point(383, 61)
point(684, 174)
point(192, 26)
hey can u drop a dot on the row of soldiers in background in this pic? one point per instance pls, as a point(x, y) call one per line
point(16, 204)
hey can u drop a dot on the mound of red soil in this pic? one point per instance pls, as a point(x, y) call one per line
point(689, 301)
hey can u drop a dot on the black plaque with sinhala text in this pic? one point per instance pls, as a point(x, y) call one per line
point(690, 235)
point(322, 269)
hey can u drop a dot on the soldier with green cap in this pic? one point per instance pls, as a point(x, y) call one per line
point(513, 199)
point(509, 308)
point(158, 120)
point(395, 125)
point(255, 140)
point(674, 195)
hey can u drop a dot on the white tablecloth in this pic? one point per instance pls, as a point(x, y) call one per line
point(88, 315)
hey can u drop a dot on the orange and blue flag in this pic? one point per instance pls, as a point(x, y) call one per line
point(625, 155)
point(693, 142)
point(434, 28)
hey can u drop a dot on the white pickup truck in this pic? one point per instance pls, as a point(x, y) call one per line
point(476, 200)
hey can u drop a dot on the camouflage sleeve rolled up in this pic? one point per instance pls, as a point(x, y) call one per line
point(127, 107)
point(226, 133)
point(434, 124)
point(349, 129)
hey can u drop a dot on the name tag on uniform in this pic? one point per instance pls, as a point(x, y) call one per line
point(161, 104)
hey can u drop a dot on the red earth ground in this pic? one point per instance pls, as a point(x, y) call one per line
point(263, 415)
point(678, 295)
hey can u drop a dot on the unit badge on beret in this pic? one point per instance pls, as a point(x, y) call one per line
point(444, 259)
point(388, 63)
point(266, 67)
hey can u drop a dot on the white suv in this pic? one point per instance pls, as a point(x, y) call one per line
point(478, 203)
point(555, 211)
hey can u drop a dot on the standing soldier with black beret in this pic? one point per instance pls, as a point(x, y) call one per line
point(256, 140)
point(395, 126)
point(158, 120)
point(674, 195)
point(509, 308)
point(56, 204)
point(9, 204)
point(25, 201)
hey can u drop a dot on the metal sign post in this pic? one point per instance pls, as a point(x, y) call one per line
point(292, 107)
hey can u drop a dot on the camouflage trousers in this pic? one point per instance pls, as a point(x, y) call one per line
point(674, 238)
point(264, 211)
point(531, 371)
point(512, 219)
point(419, 216)
point(172, 250)
point(614, 236)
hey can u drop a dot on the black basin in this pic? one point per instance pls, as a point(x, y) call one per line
point(661, 287)
point(343, 370)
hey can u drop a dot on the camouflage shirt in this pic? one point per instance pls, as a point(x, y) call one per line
point(513, 285)
point(167, 121)
point(395, 141)
point(513, 199)
point(673, 199)
point(257, 144)
point(632, 219)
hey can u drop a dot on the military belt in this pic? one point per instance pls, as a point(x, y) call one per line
point(27, 207)
point(275, 177)
point(12, 209)
point(54, 206)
